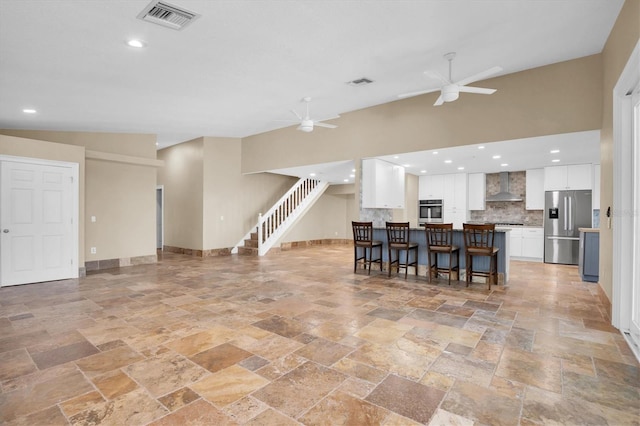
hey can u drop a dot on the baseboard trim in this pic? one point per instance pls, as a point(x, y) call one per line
point(199, 253)
point(606, 303)
point(99, 265)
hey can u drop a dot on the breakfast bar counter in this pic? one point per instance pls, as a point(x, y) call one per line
point(418, 235)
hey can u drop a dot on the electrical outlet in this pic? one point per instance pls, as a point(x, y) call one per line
point(93, 250)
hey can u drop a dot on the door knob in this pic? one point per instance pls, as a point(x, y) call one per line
point(6, 231)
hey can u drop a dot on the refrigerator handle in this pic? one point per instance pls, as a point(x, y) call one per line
point(565, 214)
point(571, 214)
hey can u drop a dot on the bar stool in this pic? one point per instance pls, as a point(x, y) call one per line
point(363, 239)
point(439, 237)
point(398, 241)
point(478, 242)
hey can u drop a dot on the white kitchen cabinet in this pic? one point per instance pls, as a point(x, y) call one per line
point(515, 238)
point(535, 189)
point(382, 185)
point(533, 243)
point(527, 243)
point(431, 187)
point(477, 184)
point(560, 178)
point(454, 201)
point(595, 194)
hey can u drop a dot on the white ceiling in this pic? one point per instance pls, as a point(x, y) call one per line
point(515, 155)
point(244, 63)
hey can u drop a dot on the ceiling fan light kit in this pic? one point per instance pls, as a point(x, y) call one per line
point(307, 123)
point(450, 91)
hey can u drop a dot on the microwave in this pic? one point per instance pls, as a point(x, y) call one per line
point(430, 211)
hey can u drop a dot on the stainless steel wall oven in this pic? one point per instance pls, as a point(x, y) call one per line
point(430, 211)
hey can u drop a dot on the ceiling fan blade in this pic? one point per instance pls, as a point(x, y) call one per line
point(481, 90)
point(437, 76)
point(480, 76)
point(439, 101)
point(296, 114)
point(419, 92)
point(321, 124)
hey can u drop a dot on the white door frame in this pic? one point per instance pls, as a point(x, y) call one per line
point(75, 209)
point(161, 189)
point(623, 195)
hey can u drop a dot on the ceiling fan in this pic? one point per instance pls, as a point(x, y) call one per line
point(450, 91)
point(306, 122)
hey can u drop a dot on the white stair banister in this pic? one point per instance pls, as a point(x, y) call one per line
point(273, 224)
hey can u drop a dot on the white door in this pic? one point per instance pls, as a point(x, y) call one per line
point(634, 329)
point(38, 222)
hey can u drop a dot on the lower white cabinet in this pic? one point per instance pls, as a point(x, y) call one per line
point(527, 243)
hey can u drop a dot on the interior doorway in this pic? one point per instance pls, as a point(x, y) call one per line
point(159, 217)
point(38, 220)
point(626, 203)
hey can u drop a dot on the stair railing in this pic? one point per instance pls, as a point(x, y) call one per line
point(272, 223)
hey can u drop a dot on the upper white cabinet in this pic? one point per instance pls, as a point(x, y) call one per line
point(455, 199)
point(595, 194)
point(382, 185)
point(477, 184)
point(535, 189)
point(431, 187)
point(559, 178)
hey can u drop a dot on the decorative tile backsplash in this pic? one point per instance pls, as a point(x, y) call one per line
point(507, 211)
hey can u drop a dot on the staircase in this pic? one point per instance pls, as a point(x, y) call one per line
point(274, 224)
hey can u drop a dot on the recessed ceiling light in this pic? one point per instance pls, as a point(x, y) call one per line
point(29, 111)
point(423, 171)
point(481, 147)
point(312, 174)
point(396, 157)
point(352, 176)
point(495, 157)
point(136, 43)
point(435, 153)
point(504, 164)
point(346, 180)
point(353, 170)
point(460, 168)
point(406, 165)
point(555, 160)
point(554, 151)
point(447, 161)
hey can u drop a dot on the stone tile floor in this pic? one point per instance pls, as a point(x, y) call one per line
point(297, 338)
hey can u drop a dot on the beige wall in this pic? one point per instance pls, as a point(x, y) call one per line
point(622, 40)
point(182, 179)
point(325, 220)
point(209, 203)
point(29, 148)
point(232, 200)
point(559, 98)
point(120, 194)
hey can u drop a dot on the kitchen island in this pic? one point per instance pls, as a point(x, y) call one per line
point(418, 235)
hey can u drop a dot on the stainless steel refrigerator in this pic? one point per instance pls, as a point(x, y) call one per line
point(564, 213)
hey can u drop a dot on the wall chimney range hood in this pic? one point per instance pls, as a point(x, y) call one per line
point(504, 194)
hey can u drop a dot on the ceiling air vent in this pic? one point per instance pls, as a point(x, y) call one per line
point(167, 15)
point(360, 82)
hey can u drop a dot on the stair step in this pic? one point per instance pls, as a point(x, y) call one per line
point(254, 236)
point(247, 251)
point(251, 243)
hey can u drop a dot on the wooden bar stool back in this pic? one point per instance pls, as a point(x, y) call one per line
point(478, 242)
point(398, 242)
point(363, 240)
point(439, 242)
